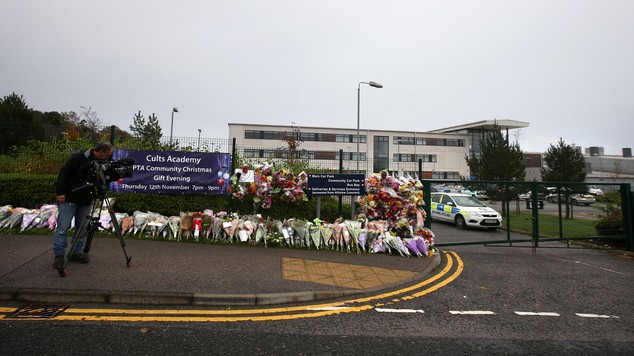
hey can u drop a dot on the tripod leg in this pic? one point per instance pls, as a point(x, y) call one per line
point(117, 229)
point(79, 231)
point(92, 227)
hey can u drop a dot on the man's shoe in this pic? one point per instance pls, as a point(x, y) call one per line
point(59, 262)
point(79, 258)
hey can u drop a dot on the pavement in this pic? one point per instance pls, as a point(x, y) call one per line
point(187, 273)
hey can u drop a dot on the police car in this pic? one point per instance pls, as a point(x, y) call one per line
point(464, 211)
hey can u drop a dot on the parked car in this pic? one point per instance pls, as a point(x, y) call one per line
point(594, 190)
point(528, 196)
point(575, 199)
point(464, 211)
point(478, 194)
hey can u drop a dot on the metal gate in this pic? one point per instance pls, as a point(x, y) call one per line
point(534, 212)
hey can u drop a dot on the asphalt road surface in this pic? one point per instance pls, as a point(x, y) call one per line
point(505, 300)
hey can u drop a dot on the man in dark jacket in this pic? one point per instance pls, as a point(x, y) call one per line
point(73, 202)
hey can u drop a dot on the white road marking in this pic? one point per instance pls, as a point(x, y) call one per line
point(536, 313)
point(602, 268)
point(596, 316)
point(471, 312)
point(386, 310)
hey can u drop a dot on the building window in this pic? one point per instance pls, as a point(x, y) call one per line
point(427, 158)
point(350, 138)
point(403, 140)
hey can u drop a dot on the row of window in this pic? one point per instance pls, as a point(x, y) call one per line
point(302, 136)
point(427, 141)
point(349, 138)
point(347, 156)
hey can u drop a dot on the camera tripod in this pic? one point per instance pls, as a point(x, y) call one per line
point(90, 225)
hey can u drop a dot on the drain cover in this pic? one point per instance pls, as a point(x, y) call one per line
point(38, 311)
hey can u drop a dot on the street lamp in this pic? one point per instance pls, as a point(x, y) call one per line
point(398, 158)
point(172, 125)
point(372, 84)
point(199, 131)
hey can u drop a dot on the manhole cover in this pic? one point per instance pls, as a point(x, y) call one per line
point(38, 311)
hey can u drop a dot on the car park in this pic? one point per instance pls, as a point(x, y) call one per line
point(463, 211)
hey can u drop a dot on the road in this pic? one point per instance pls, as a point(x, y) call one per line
point(503, 300)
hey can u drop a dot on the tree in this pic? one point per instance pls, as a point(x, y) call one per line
point(291, 152)
point(18, 124)
point(499, 159)
point(564, 163)
point(148, 134)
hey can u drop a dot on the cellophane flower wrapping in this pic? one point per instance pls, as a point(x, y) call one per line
point(354, 228)
point(314, 230)
point(300, 232)
point(5, 213)
point(28, 217)
point(326, 233)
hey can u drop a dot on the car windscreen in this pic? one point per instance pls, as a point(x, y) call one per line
point(467, 201)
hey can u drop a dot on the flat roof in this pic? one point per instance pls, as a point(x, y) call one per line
point(503, 124)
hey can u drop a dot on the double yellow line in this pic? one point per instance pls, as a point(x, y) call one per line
point(284, 313)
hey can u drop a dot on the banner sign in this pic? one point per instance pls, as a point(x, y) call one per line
point(171, 172)
point(336, 184)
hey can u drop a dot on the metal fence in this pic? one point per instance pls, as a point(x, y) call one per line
point(532, 211)
point(537, 212)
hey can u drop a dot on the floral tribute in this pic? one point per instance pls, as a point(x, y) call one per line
point(392, 218)
point(268, 184)
point(395, 206)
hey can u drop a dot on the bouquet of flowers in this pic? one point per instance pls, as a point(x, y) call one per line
point(392, 199)
point(267, 185)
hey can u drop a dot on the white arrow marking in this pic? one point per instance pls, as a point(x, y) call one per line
point(384, 310)
point(472, 312)
point(536, 313)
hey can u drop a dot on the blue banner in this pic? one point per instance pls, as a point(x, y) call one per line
point(171, 172)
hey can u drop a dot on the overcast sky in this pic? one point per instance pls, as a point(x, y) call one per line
point(565, 67)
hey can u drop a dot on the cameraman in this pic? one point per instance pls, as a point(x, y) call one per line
point(77, 172)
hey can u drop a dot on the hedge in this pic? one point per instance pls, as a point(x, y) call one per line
point(34, 191)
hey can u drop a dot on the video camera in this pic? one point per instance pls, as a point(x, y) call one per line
point(115, 170)
point(108, 171)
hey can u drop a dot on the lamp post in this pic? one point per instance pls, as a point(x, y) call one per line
point(199, 131)
point(372, 84)
point(398, 158)
point(172, 125)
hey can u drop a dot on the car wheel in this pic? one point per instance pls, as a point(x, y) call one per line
point(460, 223)
point(550, 199)
point(574, 202)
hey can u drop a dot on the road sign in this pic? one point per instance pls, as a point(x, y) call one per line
point(336, 184)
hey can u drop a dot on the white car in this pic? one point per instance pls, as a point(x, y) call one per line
point(594, 190)
point(464, 211)
point(575, 199)
point(478, 194)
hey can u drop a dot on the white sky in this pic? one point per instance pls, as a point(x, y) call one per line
point(566, 67)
